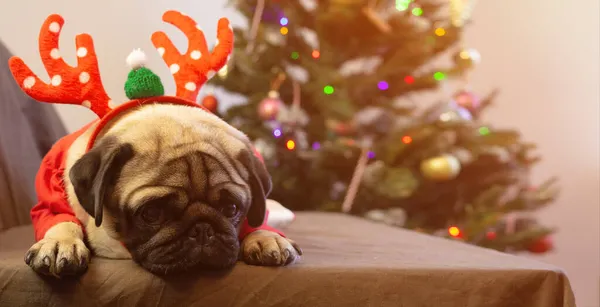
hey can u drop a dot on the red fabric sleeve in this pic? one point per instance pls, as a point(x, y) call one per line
point(246, 229)
point(52, 207)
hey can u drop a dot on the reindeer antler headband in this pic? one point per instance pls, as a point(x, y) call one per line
point(82, 85)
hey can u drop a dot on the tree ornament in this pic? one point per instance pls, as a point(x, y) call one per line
point(451, 113)
point(270, 106)
point(293, 116)
point(466, 58)
point(392, 182)
point(441, 168)
point(467, 100)
point(211, 103)
point(541, 245)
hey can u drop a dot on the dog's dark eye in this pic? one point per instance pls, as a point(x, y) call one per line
point(229, 210)
point(228, 204)
point(152, 214)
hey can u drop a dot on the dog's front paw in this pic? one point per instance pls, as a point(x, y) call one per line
point(268, 248)
point(58, 258)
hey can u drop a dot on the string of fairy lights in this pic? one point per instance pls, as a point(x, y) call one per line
point(382, 85)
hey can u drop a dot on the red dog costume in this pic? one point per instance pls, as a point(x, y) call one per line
point(82, 85)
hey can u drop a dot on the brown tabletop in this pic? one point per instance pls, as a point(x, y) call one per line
point(348, 262)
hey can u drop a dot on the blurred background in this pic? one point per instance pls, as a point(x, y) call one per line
point(543, 56)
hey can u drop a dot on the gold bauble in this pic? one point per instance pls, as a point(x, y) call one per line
point(441, 168)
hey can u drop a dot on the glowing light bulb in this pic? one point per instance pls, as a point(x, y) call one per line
point(290, 144)
point(454, 231)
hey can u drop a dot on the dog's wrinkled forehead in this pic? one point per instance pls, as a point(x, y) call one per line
point(182, 147)
point(176, 124)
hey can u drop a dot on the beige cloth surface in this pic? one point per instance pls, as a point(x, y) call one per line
point(348, 262)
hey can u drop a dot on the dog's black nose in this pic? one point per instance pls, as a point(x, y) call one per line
point(203, 233)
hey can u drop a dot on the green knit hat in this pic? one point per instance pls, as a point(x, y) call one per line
point(141, 81)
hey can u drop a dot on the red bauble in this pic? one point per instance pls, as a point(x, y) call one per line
point(467, 100)
point(269, 107)
point(211, 103)
point(491, 235)
point(541, 246)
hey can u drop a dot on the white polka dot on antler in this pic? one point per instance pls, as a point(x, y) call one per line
point(56, 80)
point(112, 104)
point(55, 54)
point(195, 55)
point(210, 74)
point(84, 77)
point(54, 27)
point(81, 52)
point(86, 103)
point(29, 82)
point(161, 51)
point(190, 86)
point(217, 42)
point(174, 68)
point(198, 27)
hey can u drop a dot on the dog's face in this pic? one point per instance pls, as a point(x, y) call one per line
point(174, 184)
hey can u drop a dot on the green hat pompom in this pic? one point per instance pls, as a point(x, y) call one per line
point(141, 82)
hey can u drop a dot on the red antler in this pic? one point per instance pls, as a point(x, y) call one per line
point(79, 85)
point(197, 65)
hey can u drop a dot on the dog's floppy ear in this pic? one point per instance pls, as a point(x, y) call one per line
point(260, 187)
point(96, 171)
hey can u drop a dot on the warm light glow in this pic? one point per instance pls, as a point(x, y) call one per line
point(454, 231)
point(484, 130)
point(223, 71)
point(406, 139)
point(290, 145)
point(316, 54)
point(402, 5)
point(491, 235)
point(382, 85)
point(409, 79)
point(464, 54)
point(441, 32)
point(283, 30)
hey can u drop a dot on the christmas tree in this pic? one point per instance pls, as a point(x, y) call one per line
point(331, 103)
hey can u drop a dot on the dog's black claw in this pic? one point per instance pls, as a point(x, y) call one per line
point(46, 261)
point(62, 263)
point(274, 255)
point(297, 248)
point(82, 262)
point(29, 256)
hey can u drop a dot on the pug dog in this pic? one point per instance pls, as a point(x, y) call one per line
point(171, 187)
